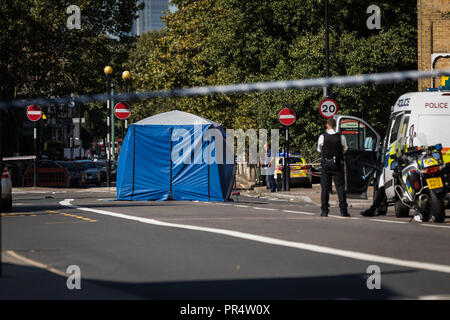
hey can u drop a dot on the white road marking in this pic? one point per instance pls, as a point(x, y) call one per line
point(240, 206)
point(340, 217)
point(261, 208)
point(435, 226)
point(435, 297)
point(389, 221)
point(299, 212)
point(274, 241)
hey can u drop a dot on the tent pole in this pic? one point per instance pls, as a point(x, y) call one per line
point(134, 159)
point(209, 194)
point(170, 191)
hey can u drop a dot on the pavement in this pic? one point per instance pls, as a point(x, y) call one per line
point(251, 248)
point(307, 196)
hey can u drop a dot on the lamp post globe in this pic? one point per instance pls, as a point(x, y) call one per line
point(108, 70)
point(126, 75)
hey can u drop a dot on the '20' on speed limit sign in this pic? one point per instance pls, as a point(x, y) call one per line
point(328, 108)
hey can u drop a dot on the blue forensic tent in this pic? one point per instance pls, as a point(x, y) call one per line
point(175, 155)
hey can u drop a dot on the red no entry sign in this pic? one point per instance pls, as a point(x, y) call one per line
point(286, 116)
point(122, 110)
point(34, 113)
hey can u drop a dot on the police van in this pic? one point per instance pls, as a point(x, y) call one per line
point(417, 118)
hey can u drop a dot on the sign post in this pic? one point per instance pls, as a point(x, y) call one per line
point(287, 117)
point(34, 113)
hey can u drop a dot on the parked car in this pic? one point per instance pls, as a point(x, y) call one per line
point(300, 172)
point(6, 190)
point(101, 165)
point(92, 173)
point(76, 173)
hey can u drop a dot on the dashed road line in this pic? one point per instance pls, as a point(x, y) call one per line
point(71, 215)
point(341, 217)
point(300, 212)
point(388, 221)
point(261, 208)
point(435, 226)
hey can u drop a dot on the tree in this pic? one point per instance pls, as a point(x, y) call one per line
point(41, 57)
point(212, 42)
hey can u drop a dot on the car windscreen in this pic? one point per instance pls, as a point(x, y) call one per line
point(295, 160)
point(67, 165)
point(88, 165)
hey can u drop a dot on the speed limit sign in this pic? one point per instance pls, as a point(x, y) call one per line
point(328, 108)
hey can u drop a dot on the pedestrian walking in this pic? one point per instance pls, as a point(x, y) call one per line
point(332, 145)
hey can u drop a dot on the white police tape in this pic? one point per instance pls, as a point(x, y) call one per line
point(339, 81)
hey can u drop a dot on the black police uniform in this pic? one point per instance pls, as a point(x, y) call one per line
point(333, 166)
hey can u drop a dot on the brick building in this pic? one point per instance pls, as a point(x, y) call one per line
point(433, 27)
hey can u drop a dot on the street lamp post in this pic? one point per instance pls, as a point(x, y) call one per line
point(327, 90)
point(1, 173)
point(113, 139)
point(108, 71)
point(126, 78)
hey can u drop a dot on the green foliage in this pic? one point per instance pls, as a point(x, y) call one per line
point(213, 42)
point(41, 57)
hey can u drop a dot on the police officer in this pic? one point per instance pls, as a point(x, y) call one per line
point(332, 145)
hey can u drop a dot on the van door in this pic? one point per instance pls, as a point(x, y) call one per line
point(361, 158)
point(397, 128)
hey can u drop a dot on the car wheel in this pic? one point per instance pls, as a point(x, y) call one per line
point(7, 204)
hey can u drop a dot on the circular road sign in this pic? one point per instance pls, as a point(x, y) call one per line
point(328, 108)
point(286, 116)
point(122, 110)
point(34, 113)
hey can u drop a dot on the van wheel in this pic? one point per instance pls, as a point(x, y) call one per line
point(437, 210)
point(401, 210)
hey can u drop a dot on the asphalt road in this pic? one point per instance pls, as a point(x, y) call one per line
point(250, 249)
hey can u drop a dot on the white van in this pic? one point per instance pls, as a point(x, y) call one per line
point(422, 118)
